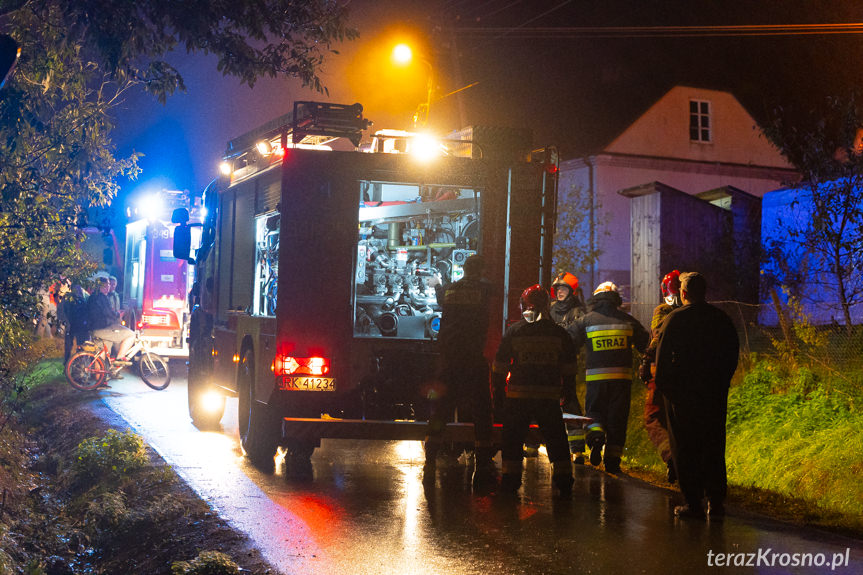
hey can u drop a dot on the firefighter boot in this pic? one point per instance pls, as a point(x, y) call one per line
point(595, 439)
point(612, 465)
point(510, 480)
point(562, 478)
point(575, 435)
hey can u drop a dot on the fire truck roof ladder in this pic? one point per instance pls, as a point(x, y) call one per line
point(310, 123)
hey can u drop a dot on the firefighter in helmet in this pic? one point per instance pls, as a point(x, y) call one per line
point(567, 306)
point(609, 335)
point(655, 419)
point(464, 370)
point(540, 359)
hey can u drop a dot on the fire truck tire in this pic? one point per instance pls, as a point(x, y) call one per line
point(85, 371)
point(259, 427)
point(154, 370)
point(203, 416)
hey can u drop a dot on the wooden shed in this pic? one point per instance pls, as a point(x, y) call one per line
point(716, 233)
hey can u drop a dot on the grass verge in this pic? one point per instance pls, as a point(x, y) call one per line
point(793, 445)
point(79, 497)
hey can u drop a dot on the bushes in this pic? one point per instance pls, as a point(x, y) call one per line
point(110, 458)
point(206, 563)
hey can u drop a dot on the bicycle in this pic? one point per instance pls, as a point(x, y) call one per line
point(89, 368)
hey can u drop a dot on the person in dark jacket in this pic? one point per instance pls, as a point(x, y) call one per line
point(695, 361)
point(72, 311)
point(464, 369)
point(655, 418)
point(105, 321)
point(541, 361)
point(610, 334)
point(567, 306)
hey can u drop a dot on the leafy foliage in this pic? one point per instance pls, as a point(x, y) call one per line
point(573, 250)
point(820, 249)
point(78, 61)
point(207, 563)
point(114, 455)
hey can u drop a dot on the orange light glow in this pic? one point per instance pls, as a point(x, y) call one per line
point(287, 365)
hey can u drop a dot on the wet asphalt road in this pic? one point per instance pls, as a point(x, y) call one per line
point(366, 511)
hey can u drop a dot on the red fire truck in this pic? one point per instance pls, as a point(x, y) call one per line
point(311, 300)
point(155, 284)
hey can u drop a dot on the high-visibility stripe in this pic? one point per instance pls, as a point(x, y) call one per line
point(601, 373)
point(533, 391)
point(595, 428)
point(575, 435)
point(609, 329)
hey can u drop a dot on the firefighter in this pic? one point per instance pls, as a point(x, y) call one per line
point(695, 361)
point(464, 370)
point(541, 361)
point(568, 304)
point(609, 334)
point(655, 420)
point(566, 307)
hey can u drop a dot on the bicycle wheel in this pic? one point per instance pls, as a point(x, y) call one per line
point(154, 370)
point(85, 371)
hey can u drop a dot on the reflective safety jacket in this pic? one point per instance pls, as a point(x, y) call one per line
point(541, 360)
point(609, 335)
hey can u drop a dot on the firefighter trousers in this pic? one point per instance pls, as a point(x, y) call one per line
point(518, 415)
point(656, 421)
point(607, 403)
point(697, 434)
point(467, 388)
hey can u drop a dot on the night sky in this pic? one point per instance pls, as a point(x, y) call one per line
point(573, 91)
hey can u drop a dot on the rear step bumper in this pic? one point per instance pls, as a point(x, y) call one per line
point(300, 428)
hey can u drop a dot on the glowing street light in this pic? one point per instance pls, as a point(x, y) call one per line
point(403, 55)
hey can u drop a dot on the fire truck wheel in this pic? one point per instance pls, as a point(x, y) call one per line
point(259, 426)
point(206, 407)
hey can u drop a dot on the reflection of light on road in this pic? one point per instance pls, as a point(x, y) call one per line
point(216, 447)
point(409, 450)
point(412, 494)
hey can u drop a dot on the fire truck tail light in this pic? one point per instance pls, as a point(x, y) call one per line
point(287, 365)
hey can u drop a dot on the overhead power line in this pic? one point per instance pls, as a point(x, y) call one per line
point(575, 32)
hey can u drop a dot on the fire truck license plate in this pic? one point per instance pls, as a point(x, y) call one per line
point(294, 383)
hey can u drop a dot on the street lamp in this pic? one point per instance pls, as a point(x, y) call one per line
point(402, 54)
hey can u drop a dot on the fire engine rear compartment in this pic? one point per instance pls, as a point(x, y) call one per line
point(324, 259)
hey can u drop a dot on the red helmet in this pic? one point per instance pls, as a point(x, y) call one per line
point(564, 279)
point(671, 284)
point(534, 298)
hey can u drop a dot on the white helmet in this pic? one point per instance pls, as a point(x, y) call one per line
point(606, 286)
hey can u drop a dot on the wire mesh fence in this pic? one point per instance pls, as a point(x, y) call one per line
point(791, 338)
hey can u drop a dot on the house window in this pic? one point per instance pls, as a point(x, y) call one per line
point(699, 121)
